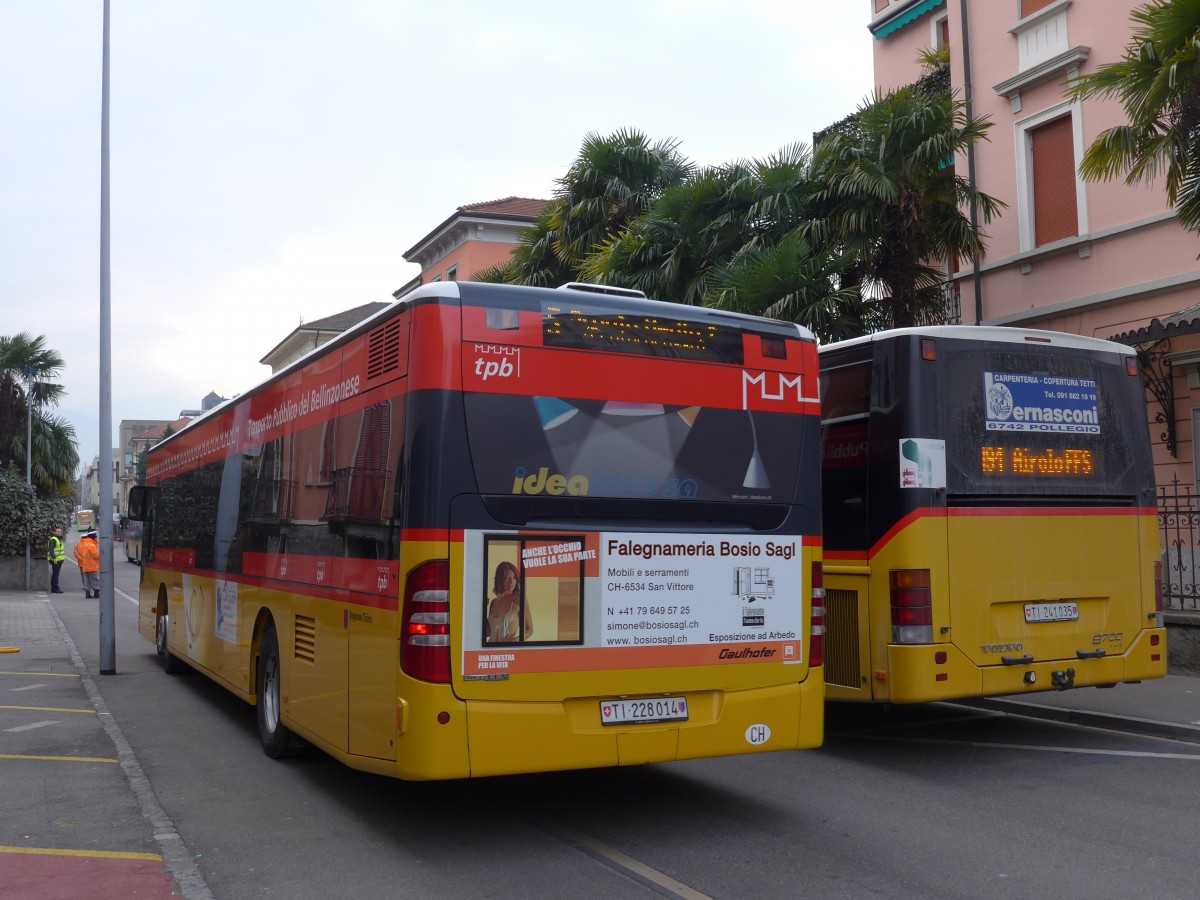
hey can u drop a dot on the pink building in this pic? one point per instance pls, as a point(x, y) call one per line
point(1102, 259)
point(475, 237)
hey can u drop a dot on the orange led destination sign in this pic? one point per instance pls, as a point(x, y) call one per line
point(1023, 461)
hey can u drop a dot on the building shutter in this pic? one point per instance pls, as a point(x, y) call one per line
point(1029, 7)
point(1054, 211)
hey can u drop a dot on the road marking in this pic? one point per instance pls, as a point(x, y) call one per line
point(90, 854)
point(1048, 749)
point(43, 674)
point(90, 712)
point(58, 758)
point(618, 860)
point(31, 726)
point(27, 687)
point(924, 723)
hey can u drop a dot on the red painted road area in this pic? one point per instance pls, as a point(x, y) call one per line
point(44, 875)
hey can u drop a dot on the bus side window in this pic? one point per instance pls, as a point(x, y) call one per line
point(845, 458)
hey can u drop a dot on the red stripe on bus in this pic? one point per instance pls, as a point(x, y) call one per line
point(963, 512)
point(329, 592)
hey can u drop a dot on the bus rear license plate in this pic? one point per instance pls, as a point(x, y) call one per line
point(1051, 612)
point(642, 712)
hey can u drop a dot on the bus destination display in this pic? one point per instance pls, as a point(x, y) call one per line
point(643, 335)
point(1026, 461)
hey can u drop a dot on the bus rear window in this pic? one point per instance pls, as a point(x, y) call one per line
point(561, 448)
point(1051, 422)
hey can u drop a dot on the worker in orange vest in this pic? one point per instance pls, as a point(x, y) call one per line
point(87, 554)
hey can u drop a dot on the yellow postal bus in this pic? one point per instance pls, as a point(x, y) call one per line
point(989, 515)
point(498, 529)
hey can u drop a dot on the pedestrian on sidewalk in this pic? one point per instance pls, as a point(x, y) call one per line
point(87, 554)
point(56, 553)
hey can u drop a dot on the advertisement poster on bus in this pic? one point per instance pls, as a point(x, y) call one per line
point(1041, 403)
point(544, 602)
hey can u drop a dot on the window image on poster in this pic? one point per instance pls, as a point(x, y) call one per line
point(614, 600)
point(534, 589)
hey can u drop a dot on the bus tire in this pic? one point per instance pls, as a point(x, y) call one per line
point(278, 742)
point(170, 663)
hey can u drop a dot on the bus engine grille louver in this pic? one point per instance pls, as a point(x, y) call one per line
point(841, 638)
point(306, 639)
point(383, 349)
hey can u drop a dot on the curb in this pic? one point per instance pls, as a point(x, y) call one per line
point(176, 858)
point(1108, 721)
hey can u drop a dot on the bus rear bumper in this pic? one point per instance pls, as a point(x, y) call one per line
point(508, 737)
point(915, 676)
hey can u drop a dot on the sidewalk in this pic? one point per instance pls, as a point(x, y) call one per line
point(1162, 707)
point(81, 820)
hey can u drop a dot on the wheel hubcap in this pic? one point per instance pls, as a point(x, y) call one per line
point(270, 698)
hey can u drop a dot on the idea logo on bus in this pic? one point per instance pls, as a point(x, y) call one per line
point(493, 361)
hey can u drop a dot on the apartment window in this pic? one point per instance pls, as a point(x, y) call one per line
point(941, 31)
point(1029, 7)
point(452, 273)
point(1052, 205)
point(1055, 214)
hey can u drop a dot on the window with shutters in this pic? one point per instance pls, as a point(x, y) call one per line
point(1029, 7)
point(1055, 214)
point(1052, 206)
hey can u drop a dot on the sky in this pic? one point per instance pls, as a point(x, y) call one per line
point(271, 160)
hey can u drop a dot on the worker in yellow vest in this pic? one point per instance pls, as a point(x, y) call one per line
point(56, 553)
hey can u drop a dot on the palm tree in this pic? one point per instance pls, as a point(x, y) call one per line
point(695, 230)
point(669, 251)
point(610, 183)
point(1158, 84)
point(793, 281)
point(894, 201)
point(26, 364)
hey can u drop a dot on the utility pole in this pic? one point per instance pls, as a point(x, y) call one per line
point(108, 648)
point(29, 373)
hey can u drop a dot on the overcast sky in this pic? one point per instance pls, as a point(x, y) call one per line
point(270, 161)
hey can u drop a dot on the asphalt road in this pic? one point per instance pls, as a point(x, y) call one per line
point(937, 801)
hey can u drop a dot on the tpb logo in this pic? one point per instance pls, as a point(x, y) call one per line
point(497, 362)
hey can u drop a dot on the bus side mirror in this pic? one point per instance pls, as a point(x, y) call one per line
point(138, 504)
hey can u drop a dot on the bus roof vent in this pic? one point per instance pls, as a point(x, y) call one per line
point(602, 289)
point(383, 349)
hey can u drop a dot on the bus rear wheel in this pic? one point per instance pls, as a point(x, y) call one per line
point(277, 741)
point(170, 663)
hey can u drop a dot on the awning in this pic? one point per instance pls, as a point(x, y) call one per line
point(913, 13)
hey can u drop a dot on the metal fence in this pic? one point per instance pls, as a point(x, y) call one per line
point(1178, 524)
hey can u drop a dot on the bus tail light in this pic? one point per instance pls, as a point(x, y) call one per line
point(1158, 594)
point(816, 640)
point(425, 628)
point(912, 606)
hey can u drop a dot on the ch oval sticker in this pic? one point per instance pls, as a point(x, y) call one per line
point(757, 735)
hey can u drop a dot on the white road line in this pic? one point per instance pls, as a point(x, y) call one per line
point(619, 861)
point(1084, 751)
point(27, 687)
point(31, 726)
point(132, 600)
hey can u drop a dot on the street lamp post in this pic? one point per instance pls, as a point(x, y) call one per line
point(29, 373)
